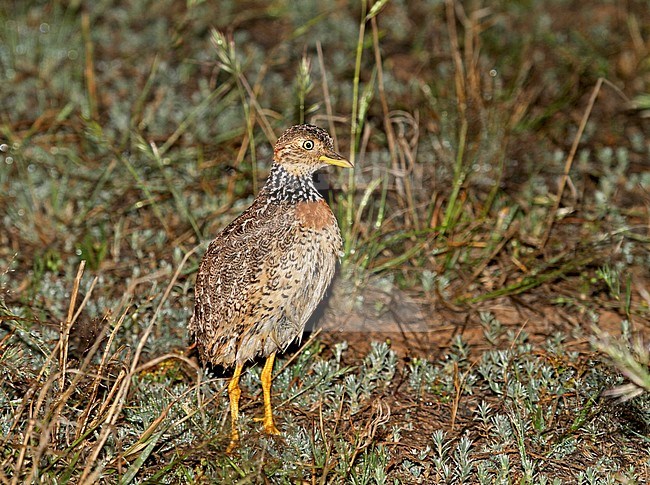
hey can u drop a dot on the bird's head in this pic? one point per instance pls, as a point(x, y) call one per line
point(303, 149)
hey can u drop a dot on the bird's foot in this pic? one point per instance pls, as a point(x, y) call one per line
point(234, 442)
point(269, 425)
point(232, 446)
point(269, 428)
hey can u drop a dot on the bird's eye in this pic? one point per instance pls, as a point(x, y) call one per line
point(308, 144)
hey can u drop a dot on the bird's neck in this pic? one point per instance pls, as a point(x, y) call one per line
point(284, 186)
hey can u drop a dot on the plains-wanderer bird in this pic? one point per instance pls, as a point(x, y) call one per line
point(262, 277)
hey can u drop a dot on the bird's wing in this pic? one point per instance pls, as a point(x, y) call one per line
point(233, 273)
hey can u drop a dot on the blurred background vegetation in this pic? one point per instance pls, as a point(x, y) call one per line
point(491, 318)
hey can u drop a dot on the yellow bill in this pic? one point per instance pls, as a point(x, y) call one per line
point(333, 158)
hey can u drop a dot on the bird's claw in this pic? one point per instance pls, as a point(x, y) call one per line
point(269, 425)
point(269, 428)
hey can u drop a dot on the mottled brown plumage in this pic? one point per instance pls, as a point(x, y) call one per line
point(264, 274)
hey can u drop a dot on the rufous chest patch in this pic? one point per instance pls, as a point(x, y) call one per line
point(316, 215)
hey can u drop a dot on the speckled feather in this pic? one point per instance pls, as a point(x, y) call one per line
point(264, 274)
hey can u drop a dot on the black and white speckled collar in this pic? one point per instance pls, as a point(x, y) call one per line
point(283, 186)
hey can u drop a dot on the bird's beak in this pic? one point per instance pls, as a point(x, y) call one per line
point(333, 158)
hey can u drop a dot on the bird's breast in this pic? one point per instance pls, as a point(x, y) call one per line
point(315, 215)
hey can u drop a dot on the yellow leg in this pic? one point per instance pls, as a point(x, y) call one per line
point(233, 393)
point(269, 426)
